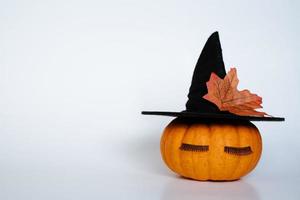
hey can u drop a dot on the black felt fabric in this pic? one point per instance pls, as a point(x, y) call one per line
point(215, 116)
point(210, 60)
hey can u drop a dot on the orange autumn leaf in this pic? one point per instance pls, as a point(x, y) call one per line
point(224, 93)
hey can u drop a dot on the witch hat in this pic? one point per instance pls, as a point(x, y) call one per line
point(210, 61)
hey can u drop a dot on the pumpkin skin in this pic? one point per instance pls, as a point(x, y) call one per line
point(214, 164)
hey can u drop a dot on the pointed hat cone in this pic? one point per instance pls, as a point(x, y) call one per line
point(210, 60)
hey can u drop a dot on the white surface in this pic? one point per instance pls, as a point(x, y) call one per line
point(74, 77)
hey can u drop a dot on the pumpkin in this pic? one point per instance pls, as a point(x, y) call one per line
point(210, 149)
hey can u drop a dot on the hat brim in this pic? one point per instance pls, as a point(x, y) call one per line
point(188, 114)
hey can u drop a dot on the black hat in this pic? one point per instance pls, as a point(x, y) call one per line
point(210, 60)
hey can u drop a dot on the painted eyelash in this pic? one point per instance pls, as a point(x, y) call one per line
point(191, 147)
point(240, 151)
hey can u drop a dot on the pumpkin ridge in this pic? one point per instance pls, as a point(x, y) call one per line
point(254, 134)
point(207, 128)
point(219, 126)
point(258, 147)
point(168, 147)
point(193, 153)
point(180, 168)
point(236, 128)
point(181, 152)
point(209, 153)
point(250, 165)
point(174, 153)
point(163, 142)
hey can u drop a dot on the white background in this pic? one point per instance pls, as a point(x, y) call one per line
point(75, 75)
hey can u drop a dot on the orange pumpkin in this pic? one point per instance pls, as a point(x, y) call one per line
point(211, 149)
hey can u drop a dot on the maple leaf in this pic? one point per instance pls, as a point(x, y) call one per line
point(224, 93)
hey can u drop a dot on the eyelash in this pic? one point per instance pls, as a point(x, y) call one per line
point(241, 151)
point(203, 148)
point(197, 148)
